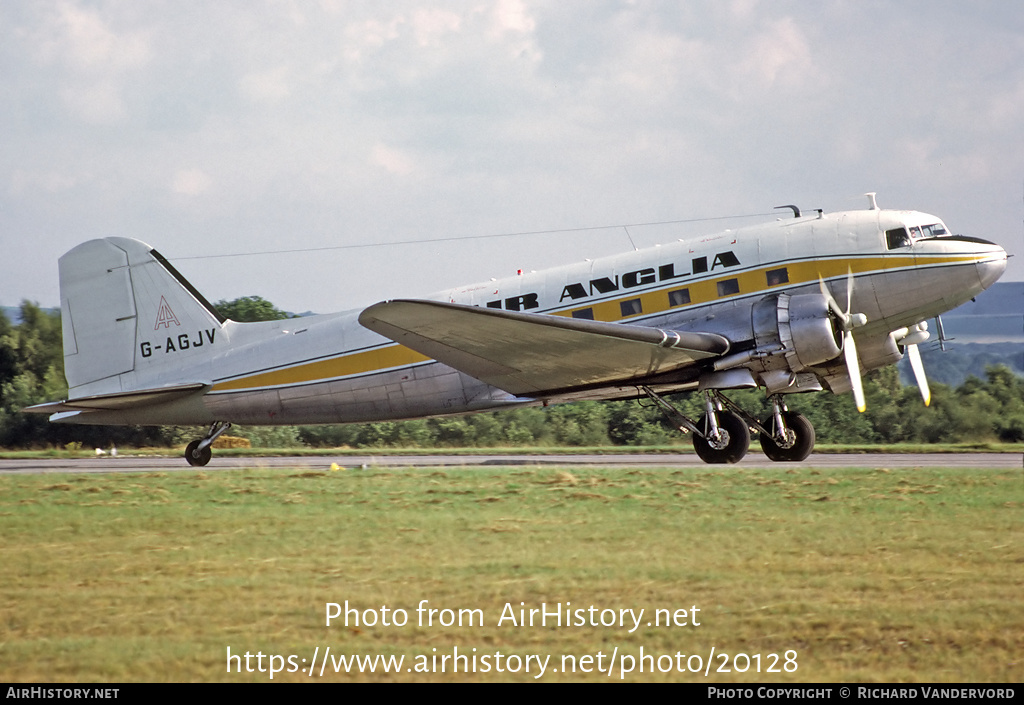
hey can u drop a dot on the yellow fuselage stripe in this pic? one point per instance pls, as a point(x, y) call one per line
point(652, 302)
point(753, 282)
point(352, 364)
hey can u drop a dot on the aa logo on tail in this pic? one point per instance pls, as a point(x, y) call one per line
point(165, 316)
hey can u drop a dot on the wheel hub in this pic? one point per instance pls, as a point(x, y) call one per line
point(719, 441)
point(785, 440)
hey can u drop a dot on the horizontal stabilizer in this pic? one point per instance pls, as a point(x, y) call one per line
point(528, 353)
point(119, 401)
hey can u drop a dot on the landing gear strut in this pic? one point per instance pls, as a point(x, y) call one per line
point(726, 437)
point(723, 435)
point(719, 436)
point(199, 452)
point(727, 443)
point(791, 435)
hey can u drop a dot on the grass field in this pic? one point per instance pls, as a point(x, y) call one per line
point(866, 574)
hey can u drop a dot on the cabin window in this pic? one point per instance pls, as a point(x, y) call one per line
point(896, 238)
point(728, 286)
point(679, 297)
point(631, 307)
point(586, 313)
point(777, 276)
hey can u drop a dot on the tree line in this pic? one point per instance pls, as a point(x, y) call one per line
point(979, 410)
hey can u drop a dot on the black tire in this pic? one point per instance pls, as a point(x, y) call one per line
point(736, 440)
point(196, 457)
point(803, 439)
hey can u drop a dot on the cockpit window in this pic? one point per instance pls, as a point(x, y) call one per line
point(896, 238)
point(935, 230)
point(906, 236)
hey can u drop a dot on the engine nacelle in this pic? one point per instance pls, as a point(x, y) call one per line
point(801, 326)
point(791, 334)
point(806, 328)
point(873, 354)
point(880, 353)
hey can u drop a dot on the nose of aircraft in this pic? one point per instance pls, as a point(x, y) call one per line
point(992, 267)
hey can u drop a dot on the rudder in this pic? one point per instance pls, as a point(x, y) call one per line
point(121, 304)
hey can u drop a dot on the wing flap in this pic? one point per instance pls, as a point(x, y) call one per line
point(528, 353)
point(119, 401)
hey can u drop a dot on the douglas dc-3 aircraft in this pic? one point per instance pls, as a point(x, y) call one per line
point(798, 305)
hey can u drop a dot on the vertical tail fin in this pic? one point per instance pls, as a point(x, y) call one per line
point(130, 320)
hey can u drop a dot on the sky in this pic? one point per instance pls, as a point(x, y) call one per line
point(275, 148)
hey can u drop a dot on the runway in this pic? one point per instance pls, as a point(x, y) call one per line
point(122, 464)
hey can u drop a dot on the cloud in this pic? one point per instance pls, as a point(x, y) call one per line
point(271, 86)
point(50, 182)
point(327, 118)
point(392, 160)
point(98, 101)
point(780, 56)
point(80, 39)
point(191, 182)
point(94, 60)
point(513, 16)
point(432, 26)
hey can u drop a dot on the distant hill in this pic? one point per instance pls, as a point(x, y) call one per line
point(983, 332)
point(961, 360)
point(995, 316)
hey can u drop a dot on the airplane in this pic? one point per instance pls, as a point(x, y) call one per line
point(801, 304)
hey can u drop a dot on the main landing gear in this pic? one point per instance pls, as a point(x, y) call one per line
point(199, 452)
point(791, 437)
point(722, 435)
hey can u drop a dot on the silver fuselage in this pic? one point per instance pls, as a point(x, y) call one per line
point(330, 369)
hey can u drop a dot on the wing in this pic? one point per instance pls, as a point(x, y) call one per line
point(527, 353)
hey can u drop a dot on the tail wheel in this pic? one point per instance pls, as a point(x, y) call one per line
point(732, 443)
point(196, 457)
point(797, 445)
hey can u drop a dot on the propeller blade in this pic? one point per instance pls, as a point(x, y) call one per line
point(853, 368)
point(849, 321)
point(833, 305)
point(918, 367)
point(849, 290)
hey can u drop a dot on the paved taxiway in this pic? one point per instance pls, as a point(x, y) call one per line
point(753, 460)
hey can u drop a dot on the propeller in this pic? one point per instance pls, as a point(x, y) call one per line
point(909, 338)
point(848, 321)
